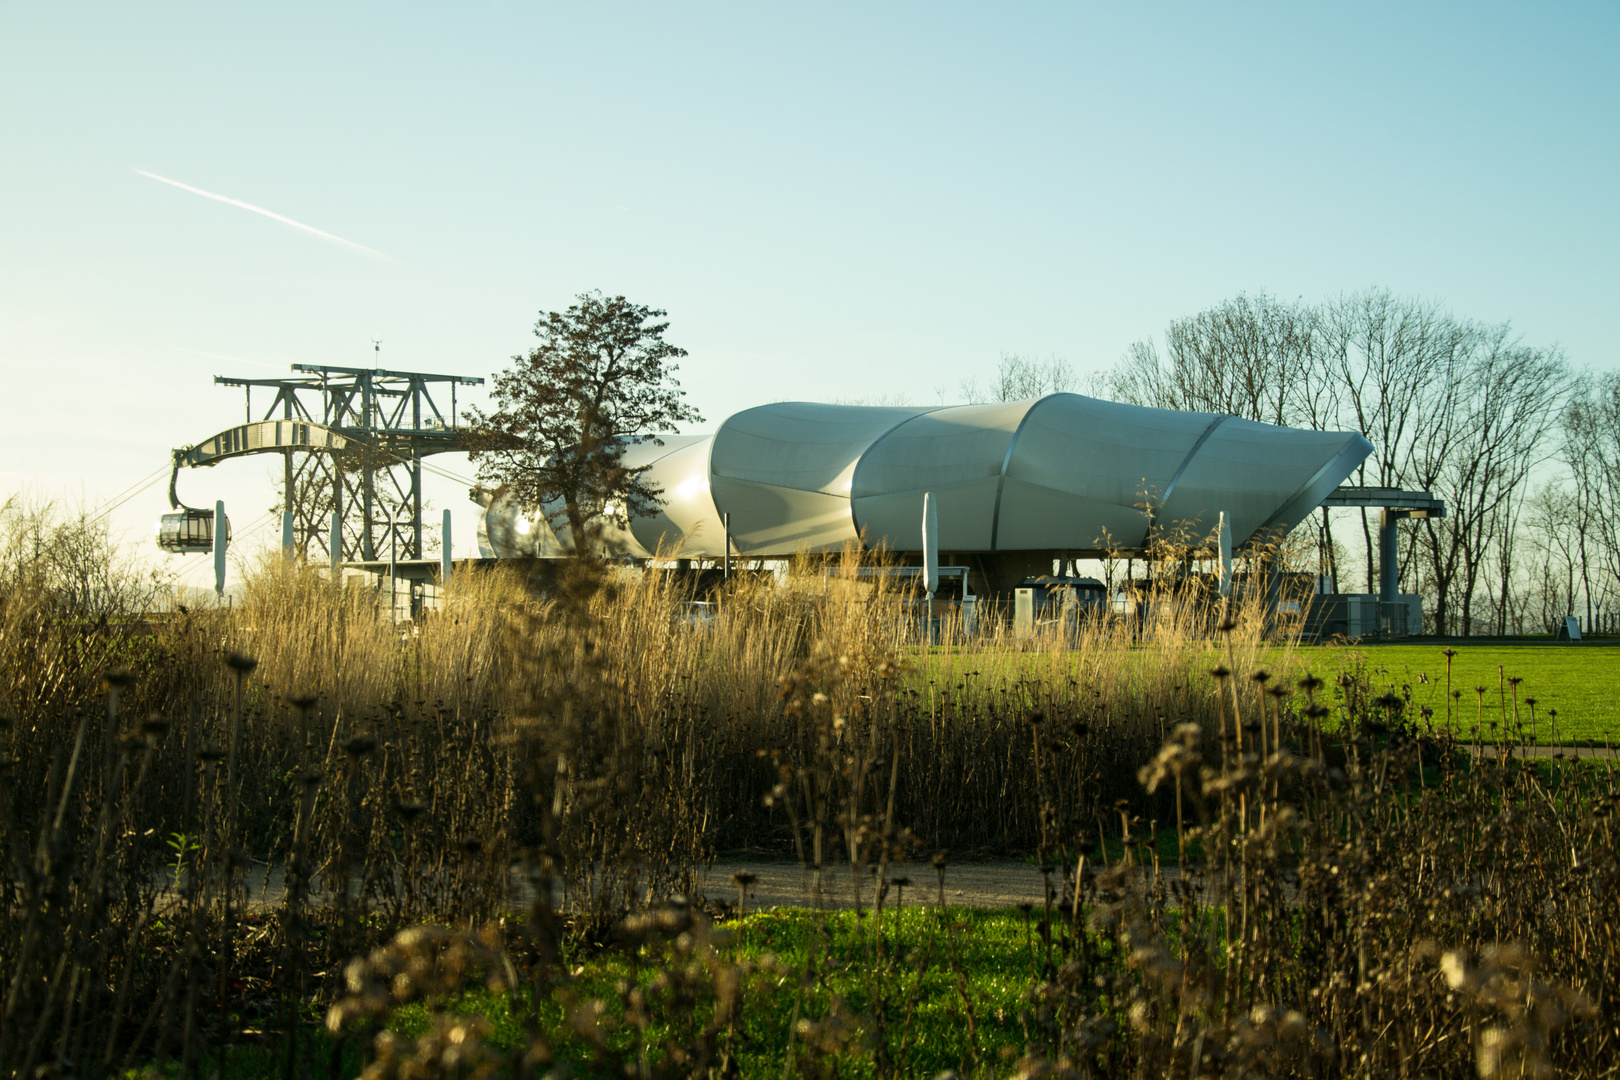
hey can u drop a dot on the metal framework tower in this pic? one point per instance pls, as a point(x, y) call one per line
point(353, 440)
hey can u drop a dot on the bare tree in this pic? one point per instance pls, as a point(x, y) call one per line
point(1394, 363)
point(1556, 558)
point(1019, 378)
point(1451, 406)
point(1512, 396)
point(1591, 451)
point(1248, 356)
point(72, 561)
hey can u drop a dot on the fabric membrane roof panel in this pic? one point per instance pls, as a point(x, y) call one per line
point(1061, 472)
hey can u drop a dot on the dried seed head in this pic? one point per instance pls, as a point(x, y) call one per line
point(938, 861)
point(301, 701)
point(744, 879)
point(1080, 728)
point(1262, 676)
point(310, 777)
point(155, 725)
point(1227, 625)
point(1035, 716)
point(133, 744)
point(1220, 671)
point(359, 745)
point(471, 845)
point(119, 678)
point(410, 809)
point(1310, 684)
point(210, 752)
point(1448, 653)
point(1316, 712)
point(1514, 680)
point(1530, 701)
point(241, 663)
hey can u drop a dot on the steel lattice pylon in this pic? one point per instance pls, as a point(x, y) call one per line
point(353, 440)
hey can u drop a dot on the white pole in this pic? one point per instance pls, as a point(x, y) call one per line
point(930, 539)
point(444, 552)
point(336, 543)
point(221, 537)
point(1225, 528)
point(287, 533)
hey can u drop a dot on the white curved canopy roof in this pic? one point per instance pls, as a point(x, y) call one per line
point(1061, 472)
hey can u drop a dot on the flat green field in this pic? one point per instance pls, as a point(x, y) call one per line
point(1582, 682)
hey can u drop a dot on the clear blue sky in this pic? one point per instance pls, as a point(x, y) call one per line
point(831, 200)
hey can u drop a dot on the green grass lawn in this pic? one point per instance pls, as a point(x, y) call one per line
point(992, 952)
point(1582, 683)
point(971, 970)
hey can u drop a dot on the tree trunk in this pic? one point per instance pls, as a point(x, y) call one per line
point(576, 525)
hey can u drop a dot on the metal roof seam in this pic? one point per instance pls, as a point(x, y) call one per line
point(1001, 480)
point(1303, 493)
point(854, 521)
point(1164, 500)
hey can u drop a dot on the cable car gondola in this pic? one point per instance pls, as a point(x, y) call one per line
point(188, 531)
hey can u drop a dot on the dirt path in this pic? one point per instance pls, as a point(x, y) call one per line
point(980, 885)
point(1567, 752)
point(778, 884)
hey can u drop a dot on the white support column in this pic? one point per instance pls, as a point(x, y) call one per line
point(336, 544)
point(1225, 541)
point(930, 539)
point(444, 552)
point(222, 531)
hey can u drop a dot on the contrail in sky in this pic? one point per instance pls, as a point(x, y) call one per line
point(272, 215)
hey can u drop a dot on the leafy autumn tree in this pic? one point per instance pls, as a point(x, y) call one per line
point(599, 381)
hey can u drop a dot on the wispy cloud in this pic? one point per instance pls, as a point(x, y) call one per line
point(272, 215)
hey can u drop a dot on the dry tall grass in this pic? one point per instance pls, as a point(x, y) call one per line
point(1338, 910)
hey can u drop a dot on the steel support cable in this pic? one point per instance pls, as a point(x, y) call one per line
point(126, 495)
